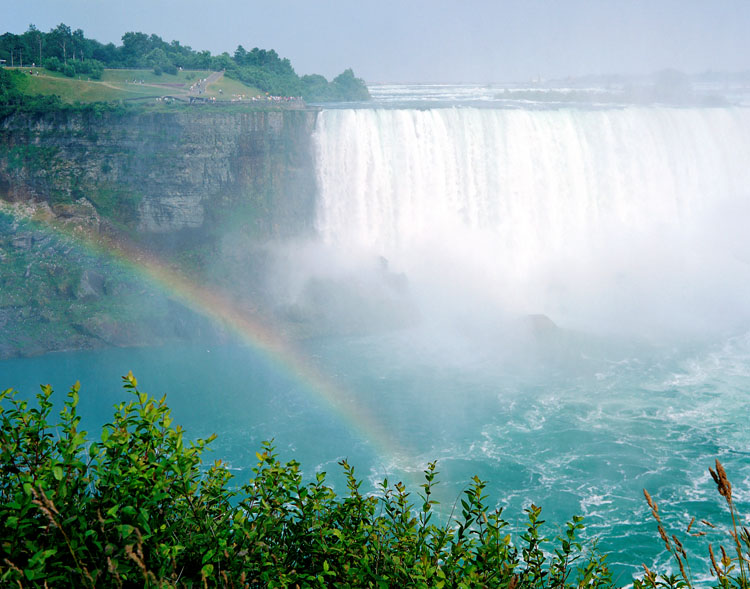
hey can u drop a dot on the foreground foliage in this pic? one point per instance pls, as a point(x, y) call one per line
point(729, 562)
point(138, 508)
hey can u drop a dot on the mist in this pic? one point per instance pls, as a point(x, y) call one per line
point(609, 222)
point(539, 275)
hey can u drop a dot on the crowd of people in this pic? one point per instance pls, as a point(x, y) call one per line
point(267, 97)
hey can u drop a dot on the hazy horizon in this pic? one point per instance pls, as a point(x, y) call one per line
point(433, 41)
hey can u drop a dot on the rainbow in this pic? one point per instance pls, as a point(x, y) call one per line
point(245, 324)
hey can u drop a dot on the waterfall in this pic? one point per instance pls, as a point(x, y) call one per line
point(547, 210)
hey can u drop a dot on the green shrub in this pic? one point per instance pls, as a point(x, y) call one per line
point(53, 64)
point(137, 507)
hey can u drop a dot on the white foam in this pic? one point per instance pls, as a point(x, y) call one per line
point(629, 216)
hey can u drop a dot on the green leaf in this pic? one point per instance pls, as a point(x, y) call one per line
point(57, 472)
point(208, 556)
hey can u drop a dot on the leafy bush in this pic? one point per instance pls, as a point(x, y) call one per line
point(89, 67)
point(53, 64)
point(9, 82)
point(137, 507)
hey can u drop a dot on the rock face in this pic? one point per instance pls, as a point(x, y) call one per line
point(57, 294)
point(178, 184)
point(167, 172)
point(91, 285)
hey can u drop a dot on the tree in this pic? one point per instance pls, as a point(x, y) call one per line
point(135, 46)
point(78, 42)
point(240, 55)
point(8, 87)
point(348, 87)
point(107, 54)
point(61, 38)
point(35, 39)
point(8, 44)
point(316, 88)
point(222, 62)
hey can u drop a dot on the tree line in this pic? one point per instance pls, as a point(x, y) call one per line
point(72, 53)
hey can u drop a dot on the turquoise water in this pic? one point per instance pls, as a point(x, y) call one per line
point(626, 221)
point(571, 423)
point(478, 228)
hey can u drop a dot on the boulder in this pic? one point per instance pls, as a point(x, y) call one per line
point(91, 285)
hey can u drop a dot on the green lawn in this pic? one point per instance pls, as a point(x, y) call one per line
point(72, 90)
point(149, 77)
point(229, 88)
point(126, 84)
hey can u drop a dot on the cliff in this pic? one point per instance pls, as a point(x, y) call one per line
point(164, 172)
point(204, 189)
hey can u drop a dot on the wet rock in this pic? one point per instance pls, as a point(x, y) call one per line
point(91, 285)
point(22, 242)
point(81, 213)
point(540, 324)
point(41, 241)
point(171, 212)
point(162, 173)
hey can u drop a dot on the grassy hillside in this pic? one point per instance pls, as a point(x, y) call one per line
point(122, 84)
point(68, 51)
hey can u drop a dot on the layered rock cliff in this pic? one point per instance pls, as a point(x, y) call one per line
point(203, 189)
point(165, 172)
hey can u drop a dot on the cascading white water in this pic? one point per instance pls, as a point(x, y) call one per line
point(580, 214)
point(591, 216)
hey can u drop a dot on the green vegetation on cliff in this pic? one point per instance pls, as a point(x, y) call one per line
point(66, 53)
point(19, 94)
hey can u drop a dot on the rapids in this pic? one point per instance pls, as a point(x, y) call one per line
point(570, 289)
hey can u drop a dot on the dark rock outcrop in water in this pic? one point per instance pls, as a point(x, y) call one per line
point(177, 184)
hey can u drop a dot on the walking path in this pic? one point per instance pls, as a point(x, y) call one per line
point(200, 86)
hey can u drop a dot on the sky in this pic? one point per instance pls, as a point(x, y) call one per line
point(470, 41)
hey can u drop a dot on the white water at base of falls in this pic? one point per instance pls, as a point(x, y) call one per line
point(603, 219)
point(628, 218)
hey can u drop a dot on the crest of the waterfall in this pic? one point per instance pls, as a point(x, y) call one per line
point(597, 216)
